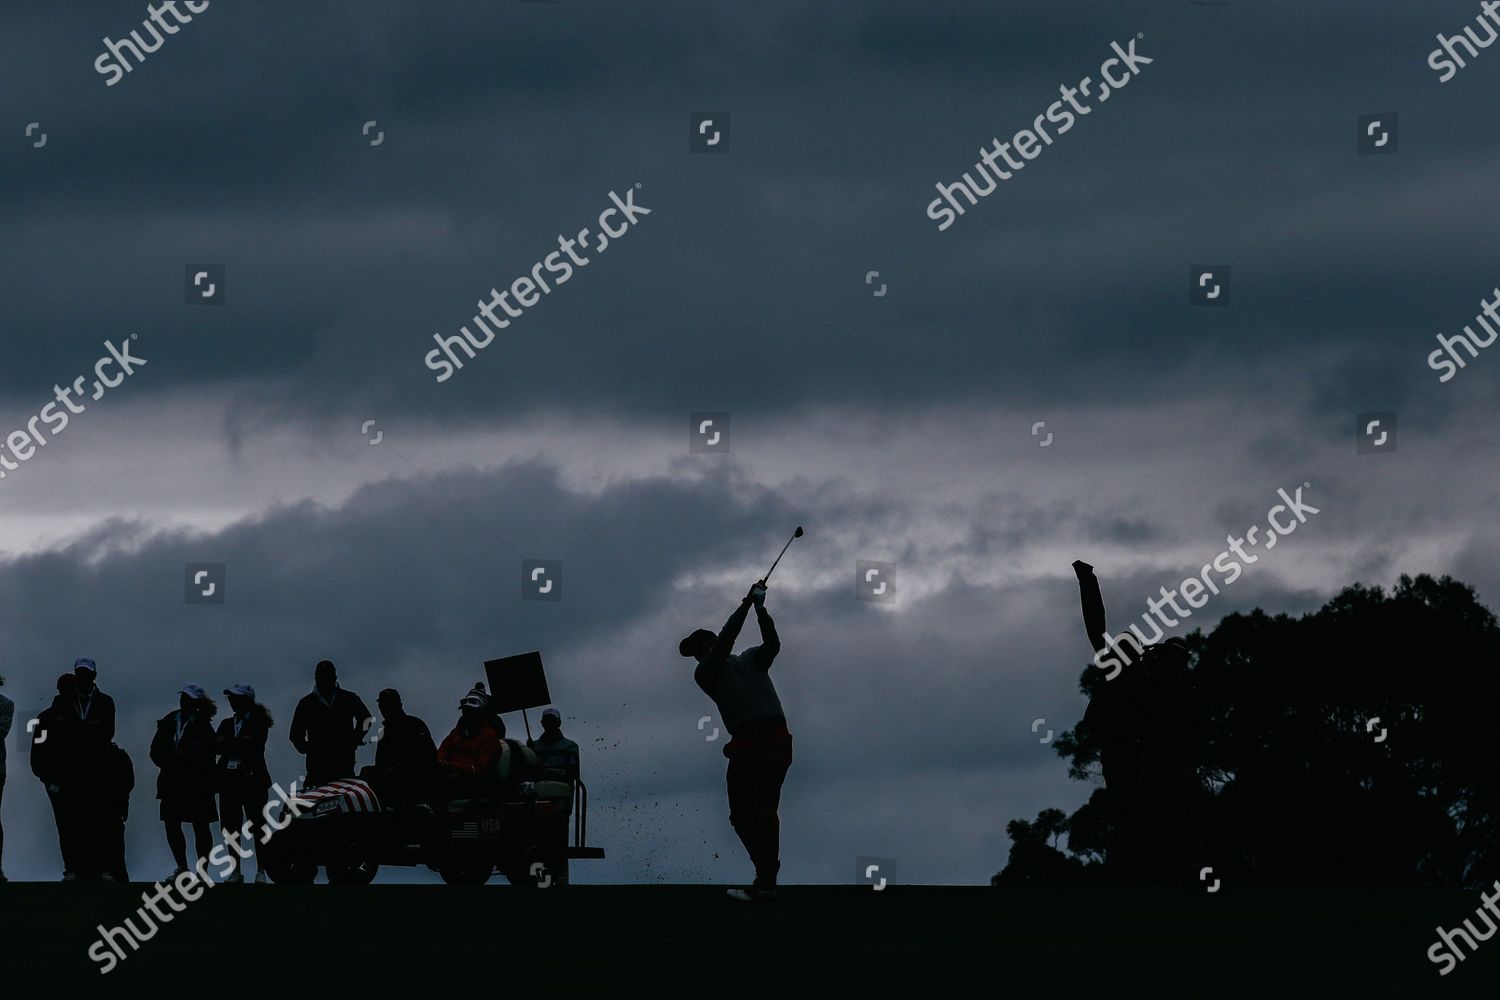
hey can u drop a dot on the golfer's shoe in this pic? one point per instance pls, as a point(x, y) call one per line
point(69, 877)
point(236, 879)
point(106, 877)
point(751, 894)
point(261, 878)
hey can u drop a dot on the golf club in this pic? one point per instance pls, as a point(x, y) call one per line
point(795, 535)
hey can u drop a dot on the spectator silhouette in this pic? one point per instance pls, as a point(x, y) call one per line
point(183, 749)
point(244, 780)
point(57, 759)
point(7, 719)
point(557, 756)
point(405, 755)
point(327, 726)
point(760, 747)
point(113, 808)
point(96, 713)
point(470, 750)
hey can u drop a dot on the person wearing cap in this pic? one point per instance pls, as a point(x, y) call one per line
point(183, 749)
point(57, 760)
point(7, 718)
point(469, 751)
point(556, 755)
point(96, 712)
point(405, 754)
point(95, 708)
point(327, 726)
point(244, 780)
point(760, 747)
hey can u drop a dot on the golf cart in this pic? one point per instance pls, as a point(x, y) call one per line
point(516, 822)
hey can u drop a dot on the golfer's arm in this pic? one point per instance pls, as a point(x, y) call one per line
point(7, 718)
point(770, 642)
point(731, 632)
point(1093, 607)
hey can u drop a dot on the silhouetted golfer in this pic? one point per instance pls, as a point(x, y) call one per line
point(183, 749)
point(405, 755)
point(57, 759)
point(1138, 723)
point(244, 780)
point(760, 748)
point(327, 726)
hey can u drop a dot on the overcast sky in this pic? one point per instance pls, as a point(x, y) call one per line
point(896, 427)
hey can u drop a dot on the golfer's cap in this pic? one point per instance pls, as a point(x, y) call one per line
point(389, 694)
point(84, 663)
point(241, 689)
point(193, 691)
point(551, 713)
point(471, 701)
point(686, 646)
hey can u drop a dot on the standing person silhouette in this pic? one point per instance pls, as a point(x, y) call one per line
point(183, 749)
point(244, 780)
point(327, 726)
point(56, 759)
point(96, 715)
point(7, 718)
point(760, 747)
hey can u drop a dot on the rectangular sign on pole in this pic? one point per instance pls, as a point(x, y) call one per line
point(517, 682)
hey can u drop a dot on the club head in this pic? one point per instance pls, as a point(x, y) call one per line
point(798, 532)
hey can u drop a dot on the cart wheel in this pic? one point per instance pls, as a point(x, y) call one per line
point(356, 867)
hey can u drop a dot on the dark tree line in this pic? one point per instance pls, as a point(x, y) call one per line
point(1266, 766)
